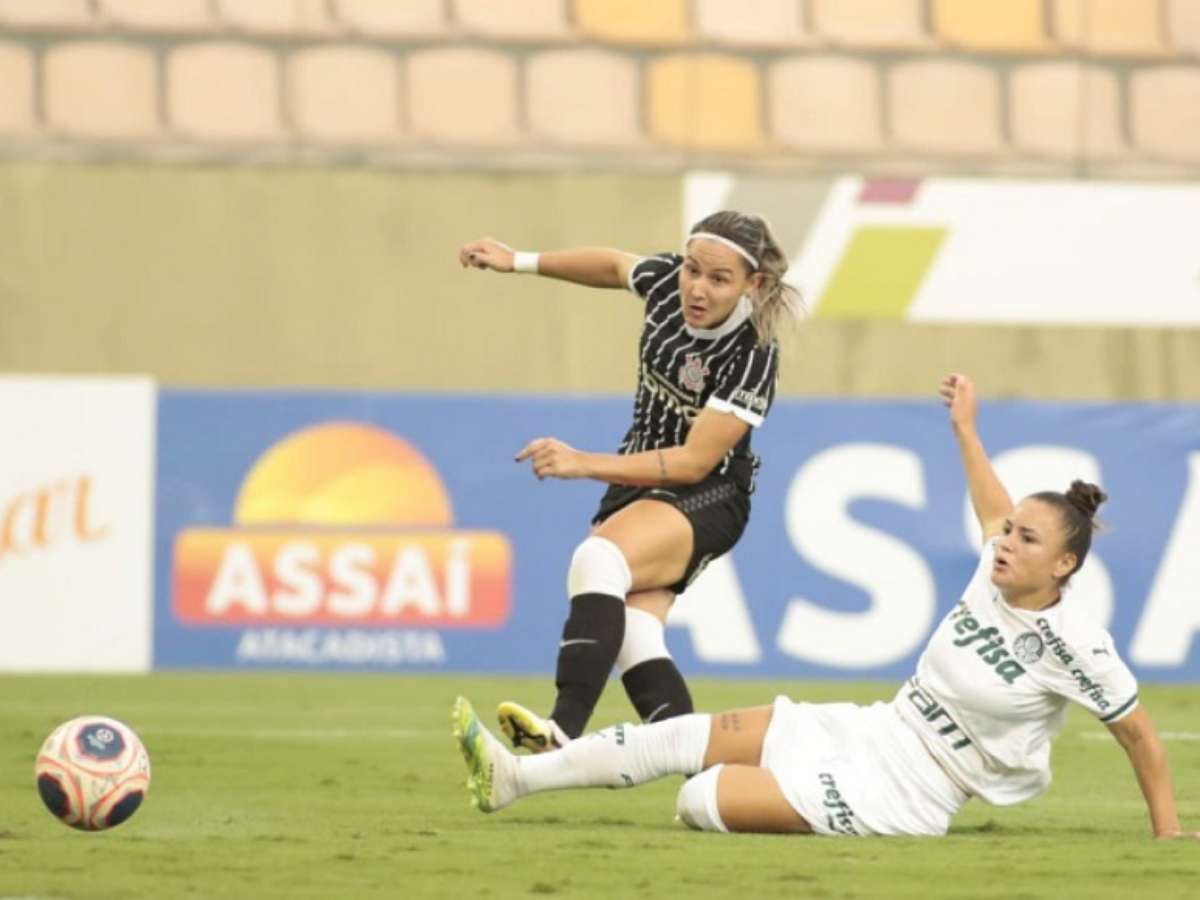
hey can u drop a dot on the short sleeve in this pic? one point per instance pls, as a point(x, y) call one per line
point(746, 384)
point(650, 274)
point(1098, 680)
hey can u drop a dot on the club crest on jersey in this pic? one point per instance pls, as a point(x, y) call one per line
point(1028, 648)
point(693, 372)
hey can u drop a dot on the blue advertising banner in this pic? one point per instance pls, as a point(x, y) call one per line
point(351, 530)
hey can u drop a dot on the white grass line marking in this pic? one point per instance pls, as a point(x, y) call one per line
point(293, 734)
point(1165, 735)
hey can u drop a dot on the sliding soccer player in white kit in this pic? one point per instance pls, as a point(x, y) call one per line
point(976, 720)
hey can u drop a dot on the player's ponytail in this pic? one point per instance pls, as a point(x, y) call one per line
point(1078, 508)
point(777, 302)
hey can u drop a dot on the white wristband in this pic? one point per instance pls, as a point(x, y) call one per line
point(525, 262)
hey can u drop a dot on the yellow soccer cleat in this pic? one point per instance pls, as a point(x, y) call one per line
point(529, 730)
point(492, 775)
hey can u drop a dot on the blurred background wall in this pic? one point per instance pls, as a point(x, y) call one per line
point(272, 192)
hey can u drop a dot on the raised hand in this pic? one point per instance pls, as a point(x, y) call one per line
point(486, 253)
point(957, 393)
point(553, 459)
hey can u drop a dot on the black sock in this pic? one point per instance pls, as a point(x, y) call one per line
point(657, 690)
point(591, 639)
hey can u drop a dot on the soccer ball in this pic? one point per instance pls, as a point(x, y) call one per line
point(92, 772)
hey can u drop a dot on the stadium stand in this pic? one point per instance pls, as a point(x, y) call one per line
point(1166, 112)
point(535, 20)
point(446, 82)
point(1110, 27)
point(101, 90)
point(166, 16)
point(705, 101)
point(1013, 26)
point(344, 94)
point(826, 103)
point(415, 18)
point(634, 21)
point(1065, 109)
point(17, 99)
point(1183, 20)
point(945, 107)
point(871, 24)
point(751, 23)
point(221, 91)
point(584, 97)
point(966, 86)
point(273, 17)
point(64, 14)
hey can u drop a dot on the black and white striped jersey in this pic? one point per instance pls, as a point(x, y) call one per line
point(684, 369)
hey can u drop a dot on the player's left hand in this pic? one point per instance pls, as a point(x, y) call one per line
point(553, 459)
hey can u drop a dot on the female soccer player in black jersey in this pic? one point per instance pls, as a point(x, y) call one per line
point(681, 480)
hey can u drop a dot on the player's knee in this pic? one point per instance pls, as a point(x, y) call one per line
point(696, 804)
point(598, 567)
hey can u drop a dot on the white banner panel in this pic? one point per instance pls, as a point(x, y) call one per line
point(1005, 251)
point(76, 517)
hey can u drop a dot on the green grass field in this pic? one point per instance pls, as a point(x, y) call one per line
point(350, 786)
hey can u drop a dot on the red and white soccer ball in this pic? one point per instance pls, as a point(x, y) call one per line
point(92, 772)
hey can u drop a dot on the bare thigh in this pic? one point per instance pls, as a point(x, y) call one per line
point(749, 799)
point(748, 796)
point(736, 736)
point(656, 540)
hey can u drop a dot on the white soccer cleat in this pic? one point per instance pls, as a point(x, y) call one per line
point(529, 730)
point(492, 779)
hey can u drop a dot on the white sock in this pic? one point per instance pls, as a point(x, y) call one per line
point(620, 756)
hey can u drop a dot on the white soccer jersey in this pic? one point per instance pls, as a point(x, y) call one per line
point(992, 687)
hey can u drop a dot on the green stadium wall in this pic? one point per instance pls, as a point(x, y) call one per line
point(275, 277)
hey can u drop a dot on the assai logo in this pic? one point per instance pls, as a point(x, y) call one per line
point(342, 524)
point(49, 514)
point(98, 741)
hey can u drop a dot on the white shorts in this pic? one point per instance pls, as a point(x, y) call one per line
point(858, 770)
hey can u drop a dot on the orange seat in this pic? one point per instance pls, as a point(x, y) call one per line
point(634, 21)
point(1007, 26)
point(705, 101)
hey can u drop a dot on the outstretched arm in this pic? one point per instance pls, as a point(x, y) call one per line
point(712, 436)
point(989, 498)
point(1138, 736)
point(593, 267)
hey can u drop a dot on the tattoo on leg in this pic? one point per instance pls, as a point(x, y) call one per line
point(730, 722)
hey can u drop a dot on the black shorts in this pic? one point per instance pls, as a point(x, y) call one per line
point(717, 508)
